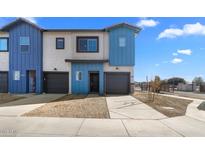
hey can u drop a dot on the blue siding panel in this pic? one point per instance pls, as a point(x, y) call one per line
point(82, 87)
point(121, 56)
point(25, 61)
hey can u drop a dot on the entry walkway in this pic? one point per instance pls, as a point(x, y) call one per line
point(19, 107)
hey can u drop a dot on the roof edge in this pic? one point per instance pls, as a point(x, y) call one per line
point(9, 25)
point(135, 28)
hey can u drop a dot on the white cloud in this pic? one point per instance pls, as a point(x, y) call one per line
point(176, 60)
point(175, 54)
point(147, 23)
point(188, 29)
point(185, 52)
point(31, 19)
point(156, 65)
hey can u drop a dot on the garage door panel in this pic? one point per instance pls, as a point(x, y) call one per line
point(56, 82)
point(117, 83)
point(3, 82)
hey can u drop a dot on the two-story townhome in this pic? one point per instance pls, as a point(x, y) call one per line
point(78, 61)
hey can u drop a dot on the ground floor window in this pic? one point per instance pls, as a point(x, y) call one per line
point(16, 75)
point(78, 76)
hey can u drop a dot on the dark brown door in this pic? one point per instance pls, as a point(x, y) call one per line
point(117, 82)
point(94, 82)
point(56, 82)
point(32, 81)
point(3, 82)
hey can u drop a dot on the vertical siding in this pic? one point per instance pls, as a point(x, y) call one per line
point(121, 56)
point(82, 87)
point(24, 61)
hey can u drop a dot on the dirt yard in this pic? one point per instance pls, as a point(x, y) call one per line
point(5, 98)
point(168, 106)
point(73, 106)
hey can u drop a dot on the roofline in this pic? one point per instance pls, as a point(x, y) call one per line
point(6, 27)
point(74, 30)
point(86, 60)
point(135, 28)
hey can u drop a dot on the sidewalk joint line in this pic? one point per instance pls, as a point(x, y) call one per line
point(172, 129)
point(125, 128)
point(80, 127)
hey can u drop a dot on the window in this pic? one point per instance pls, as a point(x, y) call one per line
point(4, 44)
point(59, 43)
point(87, 44)
point(16, 75)
point(24, 43)
point(78, 76)
point(122, 42)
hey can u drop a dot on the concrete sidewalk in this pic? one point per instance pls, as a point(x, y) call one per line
point(44, 126)
point(19, 107)
point(39, 126)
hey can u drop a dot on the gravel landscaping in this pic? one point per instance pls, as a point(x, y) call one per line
point(168, 106)
point(5, 98)
point(73, 106)
point(201, 106)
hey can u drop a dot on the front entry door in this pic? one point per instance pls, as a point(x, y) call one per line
point(32, 81)
point(94, 82)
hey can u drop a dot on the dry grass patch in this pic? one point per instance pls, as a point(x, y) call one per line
point(74, 107)
point(6, 98)
point(168, 106)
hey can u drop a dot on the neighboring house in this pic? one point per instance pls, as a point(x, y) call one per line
point(78, 61)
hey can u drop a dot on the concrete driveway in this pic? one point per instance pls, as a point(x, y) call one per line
point(19, 107)
point(128, 107)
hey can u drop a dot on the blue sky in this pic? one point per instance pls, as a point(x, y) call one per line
point(166, 46)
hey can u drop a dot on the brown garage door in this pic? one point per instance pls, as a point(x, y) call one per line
point(3, 82)
point(117, 83)
point(56, 82)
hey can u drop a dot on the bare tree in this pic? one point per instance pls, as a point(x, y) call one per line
point(155, 86)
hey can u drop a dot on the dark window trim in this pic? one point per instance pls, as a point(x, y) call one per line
point(87, 37)
point(63, 42)
point(7, 44)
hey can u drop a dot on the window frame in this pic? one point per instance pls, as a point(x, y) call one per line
point(120, 41)
point(63, 43)
point(87, 37)
point(27, 45)
point(77, 75)
point(7, 44)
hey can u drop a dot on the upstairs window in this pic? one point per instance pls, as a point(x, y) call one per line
point(4, 44)
point(60, 43)
point(122, 42)
point(78, 76)
point(87, 44)
point(24, 43)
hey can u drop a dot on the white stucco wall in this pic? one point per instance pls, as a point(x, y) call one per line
point(55, 58)
point(103, 46)
point(4, 56)
point(108, 68)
